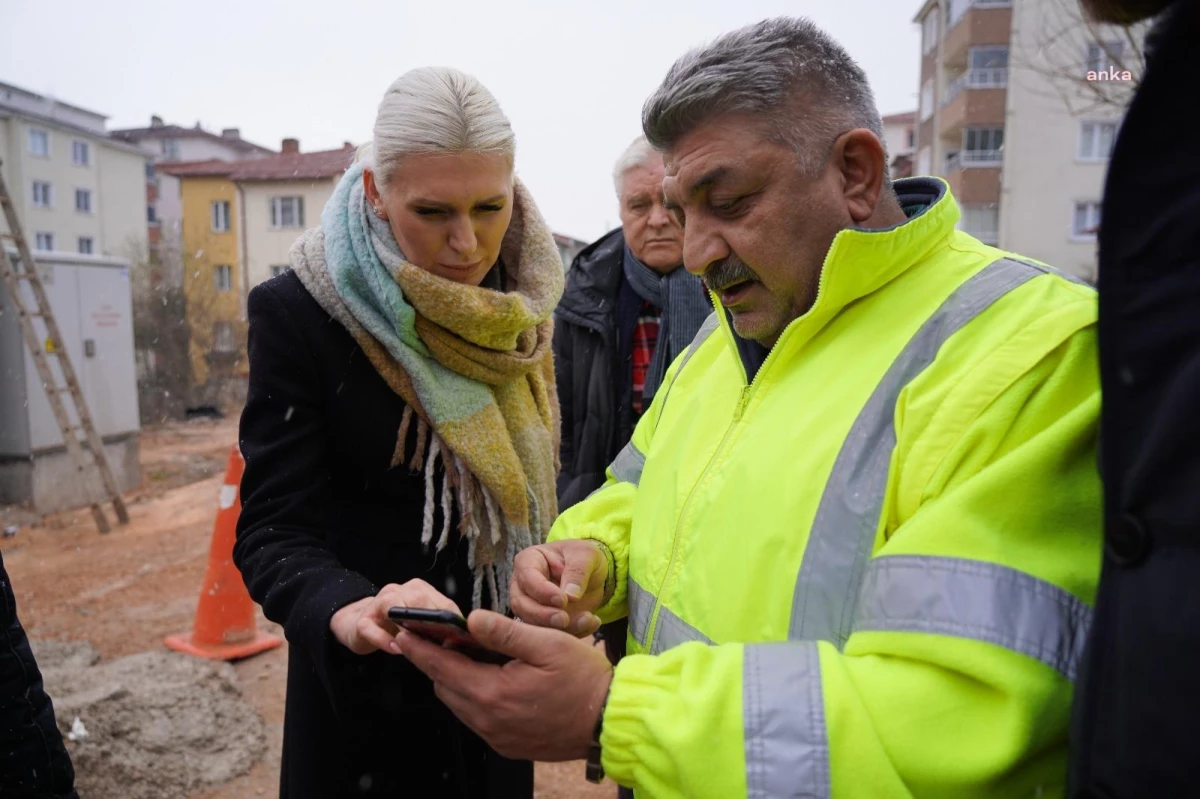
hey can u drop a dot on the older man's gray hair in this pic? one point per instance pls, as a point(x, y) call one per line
point(805, 85)
point(640, 153)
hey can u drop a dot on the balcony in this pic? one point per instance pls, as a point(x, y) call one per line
point(972, 105)
point(985, 22)
point(970, 159)
point(995, 78)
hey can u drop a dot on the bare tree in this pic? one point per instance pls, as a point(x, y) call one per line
point(216, 334)
point(1056, 50)
point(160, 335)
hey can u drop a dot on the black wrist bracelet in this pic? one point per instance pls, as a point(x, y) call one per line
point(595, 771)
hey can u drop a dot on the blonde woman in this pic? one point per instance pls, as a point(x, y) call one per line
point(400, 437)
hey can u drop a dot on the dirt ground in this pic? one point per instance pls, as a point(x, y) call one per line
point(123, 592)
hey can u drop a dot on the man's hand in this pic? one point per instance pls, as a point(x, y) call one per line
point(559, 585)
point(541, 706)
point(364, 627)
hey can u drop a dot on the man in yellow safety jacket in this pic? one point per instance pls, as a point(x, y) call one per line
point(857, 533)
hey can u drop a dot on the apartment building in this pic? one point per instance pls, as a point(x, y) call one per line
point(75, 190)
point(900, 139)
point(166, 144)
point(1008, 118)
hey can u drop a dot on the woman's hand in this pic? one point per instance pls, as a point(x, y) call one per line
point(364, 627)
point(560, 585)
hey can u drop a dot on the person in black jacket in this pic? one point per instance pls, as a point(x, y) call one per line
point(629, 309)
point(400, 435)
point(34, 764)
point(1138, 697)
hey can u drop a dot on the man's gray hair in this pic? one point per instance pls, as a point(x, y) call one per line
point(805, 85)
point(640, 153)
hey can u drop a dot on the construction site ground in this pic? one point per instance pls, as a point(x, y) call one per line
point(123, 592)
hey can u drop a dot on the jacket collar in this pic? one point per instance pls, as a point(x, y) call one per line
point(860, 262)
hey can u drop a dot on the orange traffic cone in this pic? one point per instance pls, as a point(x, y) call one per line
point(225, 628)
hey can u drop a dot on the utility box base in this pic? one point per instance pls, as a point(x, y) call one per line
point(48, 481)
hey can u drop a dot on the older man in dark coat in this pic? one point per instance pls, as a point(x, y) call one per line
point(629, 309)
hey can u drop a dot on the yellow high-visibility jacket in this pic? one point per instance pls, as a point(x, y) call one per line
point(866, 571)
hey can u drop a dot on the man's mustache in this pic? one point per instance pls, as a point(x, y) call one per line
point(732, 270)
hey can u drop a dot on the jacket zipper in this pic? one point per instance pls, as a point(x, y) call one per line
point(748, 391)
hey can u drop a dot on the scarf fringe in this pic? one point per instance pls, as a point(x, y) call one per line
point(480, 519)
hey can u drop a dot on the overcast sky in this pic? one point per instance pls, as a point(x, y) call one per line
point(571, 75)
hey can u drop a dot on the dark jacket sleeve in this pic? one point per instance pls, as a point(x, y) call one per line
point(33, 760)
point(564, 380)
point(283, 541)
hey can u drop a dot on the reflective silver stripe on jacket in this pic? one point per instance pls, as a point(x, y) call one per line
point(783, 722)
point(628, 465)
point(641, 605)
point(843, 531)
point(671, 630)
point(977, 600)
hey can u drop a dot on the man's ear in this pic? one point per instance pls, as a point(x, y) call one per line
point(859, 157)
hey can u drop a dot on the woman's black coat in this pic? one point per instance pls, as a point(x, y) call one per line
point(325, 521)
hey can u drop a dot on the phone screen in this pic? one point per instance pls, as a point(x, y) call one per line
point(446, 628)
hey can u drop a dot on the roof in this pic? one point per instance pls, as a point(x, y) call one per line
point(296, 166)
point(926, 7)
point(180, 132)
point(195, 169)
point(10, 87)
point(291, 166)
point(99, 137)
point(568, 241)
point(900, 119)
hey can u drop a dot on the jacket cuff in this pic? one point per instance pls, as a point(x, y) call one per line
point(632, 695)
point(616, 583)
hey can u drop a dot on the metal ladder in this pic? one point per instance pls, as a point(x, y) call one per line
point(54, 347)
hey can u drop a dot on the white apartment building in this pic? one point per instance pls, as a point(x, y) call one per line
point(75, 189)
point(1008, 117)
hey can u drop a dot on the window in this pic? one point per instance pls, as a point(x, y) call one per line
point(912, 138)
point(276, 271)
point(287, 212)
point(43, 194)
point(223, 336)
point(1086, 221)
point(1102, 56)
point(81, 153)
point(982, 222)
point(1096, 140)
point(151, 215)
point(85, 245)
point(39, 142)
point(223, 278)
point(170, 148)
point(83, 201)
point(220, 216)
point(929, 32)
point(982, 145)
point(927, 100)
point(45, 241)
point(988, 58)
point(954, 11)
point(924, 159)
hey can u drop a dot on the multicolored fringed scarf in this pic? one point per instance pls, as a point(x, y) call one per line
point(474, 366)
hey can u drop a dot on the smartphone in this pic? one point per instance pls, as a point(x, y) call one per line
point(447, 628)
